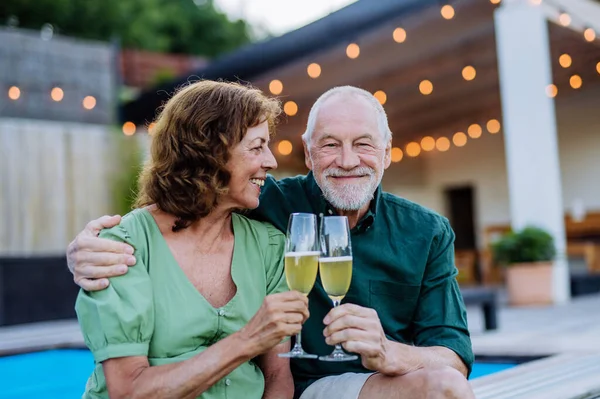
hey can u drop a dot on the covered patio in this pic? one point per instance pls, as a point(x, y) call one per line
point(491, 104)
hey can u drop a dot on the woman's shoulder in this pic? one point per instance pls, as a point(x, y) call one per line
point(134, 228)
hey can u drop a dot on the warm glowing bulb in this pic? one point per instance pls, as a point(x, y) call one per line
point(426, 87)
point(399, 35)
point(14, 93)
point(474, 131)
point(290, 108)
point(380, 96)
point(565, 60)
point(397, 154)
point(314, 70)
point(285, 147)
point(493, 126)
point(129, 128)
point(564, 19)
point(442, 144)
point(276, 87)
point(575, 81)
point(589, 34)
point(447, 11)
point(353, 51)
point(551, 90)
point(598, 67)
point(495, 1)
point(427, 143)
point(469, 73)
point(151, 127)
point(89, 102)
point(57, 94)
point(413, 149)
point(459, 139)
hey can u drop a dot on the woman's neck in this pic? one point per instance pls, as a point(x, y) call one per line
point(206, 233)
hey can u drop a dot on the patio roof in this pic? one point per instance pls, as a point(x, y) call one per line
point(435, 49)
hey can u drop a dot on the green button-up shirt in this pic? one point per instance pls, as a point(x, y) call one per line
point(403, 267)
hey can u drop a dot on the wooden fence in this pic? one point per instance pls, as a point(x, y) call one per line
point(54, 178)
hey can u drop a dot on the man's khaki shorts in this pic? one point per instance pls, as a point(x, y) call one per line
point(343, 386)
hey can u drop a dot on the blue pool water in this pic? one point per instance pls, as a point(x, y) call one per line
point(61, 374)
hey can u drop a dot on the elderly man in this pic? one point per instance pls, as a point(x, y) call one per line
point(403, 313)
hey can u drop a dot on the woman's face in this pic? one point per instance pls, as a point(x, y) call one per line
point(248, 164)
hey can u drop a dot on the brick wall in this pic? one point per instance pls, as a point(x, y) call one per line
point(144, 69)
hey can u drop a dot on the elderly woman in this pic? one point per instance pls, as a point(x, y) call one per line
point(205, 311)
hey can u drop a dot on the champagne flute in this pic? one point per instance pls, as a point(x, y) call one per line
point(301, 265)
point(335, 269)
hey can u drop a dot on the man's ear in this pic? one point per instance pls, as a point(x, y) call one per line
point(307, 160)
point(387, 160)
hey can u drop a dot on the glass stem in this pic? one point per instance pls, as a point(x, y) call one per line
point(298, 344)
point(338, 347)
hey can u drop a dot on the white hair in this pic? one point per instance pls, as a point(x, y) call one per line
point(347, 91)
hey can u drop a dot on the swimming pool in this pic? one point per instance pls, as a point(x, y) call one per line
point(62, 373)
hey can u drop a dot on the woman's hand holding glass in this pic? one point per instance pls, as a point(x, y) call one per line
point(280, 315)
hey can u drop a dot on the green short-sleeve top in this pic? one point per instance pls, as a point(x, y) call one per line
point(155, 311)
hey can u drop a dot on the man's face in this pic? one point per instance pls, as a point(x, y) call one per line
point(347, 152)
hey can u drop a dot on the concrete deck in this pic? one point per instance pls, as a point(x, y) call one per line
point(569, 335)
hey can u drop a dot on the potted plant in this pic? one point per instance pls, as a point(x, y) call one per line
point(528, 255)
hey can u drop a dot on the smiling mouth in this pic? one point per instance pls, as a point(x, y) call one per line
point(257, 182)
point(348, 177)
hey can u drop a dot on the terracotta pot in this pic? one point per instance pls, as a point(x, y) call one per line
point(529, 283)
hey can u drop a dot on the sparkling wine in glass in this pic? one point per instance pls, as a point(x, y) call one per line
point(301, 265)
point(335, 269)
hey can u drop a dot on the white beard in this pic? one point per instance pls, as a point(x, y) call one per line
point(351, 196)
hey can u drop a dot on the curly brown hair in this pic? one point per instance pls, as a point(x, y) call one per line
point(185, 174)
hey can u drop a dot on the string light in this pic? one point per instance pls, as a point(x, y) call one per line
point(89, 102)
point(399, 35)
point(495, 1)
point(380, 96)
point(551, 90)
point(589, 34)
point(276, 87)
point(447, 11)
point(290, 108)
point(493, 126)
point(565, 60)
point(129, 128)
point(442, 144)
point(474, 131)
point(397, 154)
point(598, 68)
point(564, 19)
point(57, 94)
point(314, 70)
point(14, 93)
point(413, 149)
point(285, 147)
point(151, 127)
point(427, 143)
point(426, 87)
point(459, 139)
point(575, 81)
point(469, 73)
point(353, 51)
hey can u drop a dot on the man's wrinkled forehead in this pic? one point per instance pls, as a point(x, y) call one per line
point(346, 113)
